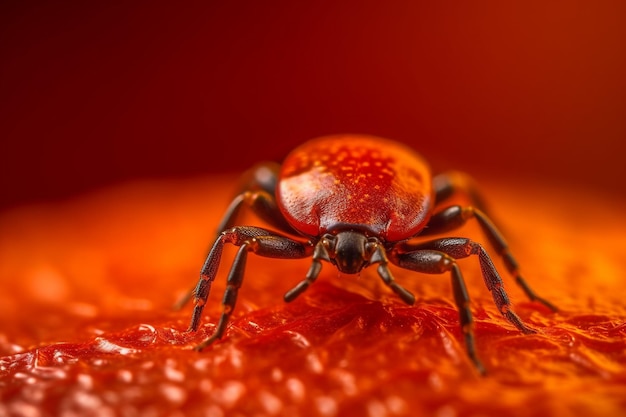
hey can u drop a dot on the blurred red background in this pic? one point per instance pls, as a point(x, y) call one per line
point(95, 93)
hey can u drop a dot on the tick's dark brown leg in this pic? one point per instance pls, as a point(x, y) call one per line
point(319, 254)
point(379, 256)
point(453, 217)
point(233, 283)
point(257, 194)
point(458, 248)
point(436, 262)
point(260, 241)
point(451, 183)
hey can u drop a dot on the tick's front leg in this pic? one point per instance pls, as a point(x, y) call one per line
point(458, 248)
point(437, 262)
point(260, 241)
point(256, 194)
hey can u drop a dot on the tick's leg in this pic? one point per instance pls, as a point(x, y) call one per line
point(435, 262)
point(256, 193)
point(455, 216)
point(458, 248)
point(233, 283)
point(379, 256)
point(319, 254)
point(450, 183)
point(255, 239)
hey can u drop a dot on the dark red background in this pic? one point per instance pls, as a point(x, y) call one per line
point(94, 93)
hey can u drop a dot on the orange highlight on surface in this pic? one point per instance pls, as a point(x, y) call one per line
point(87, 323)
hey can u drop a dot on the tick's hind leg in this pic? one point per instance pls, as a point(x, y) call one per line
point(451, 183)
point(257, 190)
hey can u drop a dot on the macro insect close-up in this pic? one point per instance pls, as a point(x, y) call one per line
point(313, 209)
point(356, 201)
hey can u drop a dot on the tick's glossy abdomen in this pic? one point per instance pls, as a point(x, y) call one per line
point(360, 182)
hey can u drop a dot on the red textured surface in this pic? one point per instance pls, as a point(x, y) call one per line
point(87, 325)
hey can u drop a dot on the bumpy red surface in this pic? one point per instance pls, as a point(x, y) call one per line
point(87, 327)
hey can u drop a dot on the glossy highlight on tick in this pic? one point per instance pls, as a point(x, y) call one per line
point(355, 201)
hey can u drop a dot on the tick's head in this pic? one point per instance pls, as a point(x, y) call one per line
point(349, 251)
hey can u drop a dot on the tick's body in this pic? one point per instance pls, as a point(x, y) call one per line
point(355, 201)
point(382, 188)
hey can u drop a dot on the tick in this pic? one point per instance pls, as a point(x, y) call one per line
point(355, 201)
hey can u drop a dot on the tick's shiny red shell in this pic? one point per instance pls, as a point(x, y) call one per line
point(361, 182)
